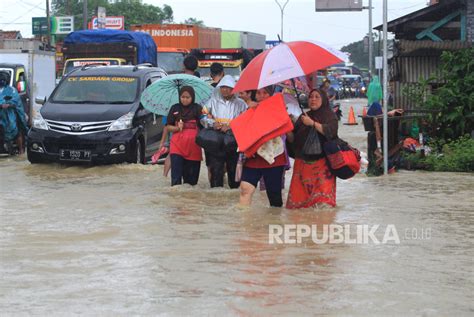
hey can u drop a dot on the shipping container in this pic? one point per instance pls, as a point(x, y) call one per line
point(181, 35)
point(242, 39)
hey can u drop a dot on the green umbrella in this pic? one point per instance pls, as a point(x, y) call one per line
point(162, 94)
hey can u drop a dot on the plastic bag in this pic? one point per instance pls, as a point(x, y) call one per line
point(312, 146)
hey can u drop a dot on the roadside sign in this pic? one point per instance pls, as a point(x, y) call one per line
point(59, 25)
point(62, 25)
point(39, 26)
point(378, 62)
point(101, 17)
point(338, 5)
point(111, 22)
point(270, 44)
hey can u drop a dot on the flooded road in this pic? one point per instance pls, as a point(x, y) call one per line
point(117, 240)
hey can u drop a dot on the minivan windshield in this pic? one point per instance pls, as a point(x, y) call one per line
point(97, 90)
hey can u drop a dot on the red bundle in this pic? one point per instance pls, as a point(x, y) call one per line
point(261, 124)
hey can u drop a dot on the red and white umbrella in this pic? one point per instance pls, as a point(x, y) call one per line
point(286, 61)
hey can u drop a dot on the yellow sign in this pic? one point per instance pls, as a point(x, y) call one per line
point(206, 64)
point(103, 78)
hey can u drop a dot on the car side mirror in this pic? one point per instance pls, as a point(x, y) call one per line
point(40, 100)
point(21, 87)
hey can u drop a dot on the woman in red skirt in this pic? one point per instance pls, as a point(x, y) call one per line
point(312, 182)
point(183, 122)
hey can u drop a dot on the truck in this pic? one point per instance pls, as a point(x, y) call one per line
point(32, 70)
point(183, 36)
point(233, 60)
point(174, 41)
point(171, 59)
point(107, 47)
point(242, 39)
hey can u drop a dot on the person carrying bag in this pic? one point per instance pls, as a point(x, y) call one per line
point(313, 183)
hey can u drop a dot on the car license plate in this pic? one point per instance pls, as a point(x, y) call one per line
point(74, 155)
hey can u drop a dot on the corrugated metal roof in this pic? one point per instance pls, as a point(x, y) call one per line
point(441, 7)
point(423, 48)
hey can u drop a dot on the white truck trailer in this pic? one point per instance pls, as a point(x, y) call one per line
point(33, 70)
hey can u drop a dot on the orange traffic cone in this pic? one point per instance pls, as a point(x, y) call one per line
point(351, 120)
point(364, 111)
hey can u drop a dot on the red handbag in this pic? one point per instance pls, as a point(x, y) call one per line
point(343, 159)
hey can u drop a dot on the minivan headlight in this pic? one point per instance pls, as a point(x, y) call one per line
point(122, 123)
point(39, 122)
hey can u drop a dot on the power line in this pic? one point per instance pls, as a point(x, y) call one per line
point(23, 14)
point(413, 6)
point(346, 27)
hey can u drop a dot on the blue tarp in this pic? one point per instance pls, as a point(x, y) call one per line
point(146, 47)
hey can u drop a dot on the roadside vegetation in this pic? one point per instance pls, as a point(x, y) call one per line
point(452, 146)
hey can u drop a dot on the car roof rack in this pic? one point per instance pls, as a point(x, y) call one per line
point(142, 65)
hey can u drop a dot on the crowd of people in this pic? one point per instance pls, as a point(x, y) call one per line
point(312, 183)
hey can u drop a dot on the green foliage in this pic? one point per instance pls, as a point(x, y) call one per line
point(137, 13)
point(134, 11)
point(417, 93)
point(194, 22)
point(454, 98)
point(451, 156)
point(455, 156)
point(358, 56)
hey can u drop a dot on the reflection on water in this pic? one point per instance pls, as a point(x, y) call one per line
point(118, 240)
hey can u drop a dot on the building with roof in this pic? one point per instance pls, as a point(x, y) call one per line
point(420, 39)
point(10, 35)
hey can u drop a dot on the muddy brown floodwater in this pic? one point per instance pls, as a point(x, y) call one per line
point(117, 240)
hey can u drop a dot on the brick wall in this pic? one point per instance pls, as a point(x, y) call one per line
point(470, 20)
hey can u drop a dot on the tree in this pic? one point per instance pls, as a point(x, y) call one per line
point(137, 13)
point(194, 21)
point(359, 56)
point(134, 11)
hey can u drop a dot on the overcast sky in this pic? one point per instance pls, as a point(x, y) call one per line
point(260, 16)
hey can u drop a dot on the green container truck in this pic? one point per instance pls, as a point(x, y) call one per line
point(242, 39)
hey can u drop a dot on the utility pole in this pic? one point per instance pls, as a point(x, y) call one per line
point(385, 90)
point(84, 15)
point(282, 8)
point(48, 24)
point(371, 42)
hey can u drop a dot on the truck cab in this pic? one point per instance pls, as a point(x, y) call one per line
point(18, 80)
point(171, 59)
point(231, 59)
point(233, 68)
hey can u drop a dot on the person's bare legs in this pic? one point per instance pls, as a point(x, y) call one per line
point(19, 143)
point(246, 193)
